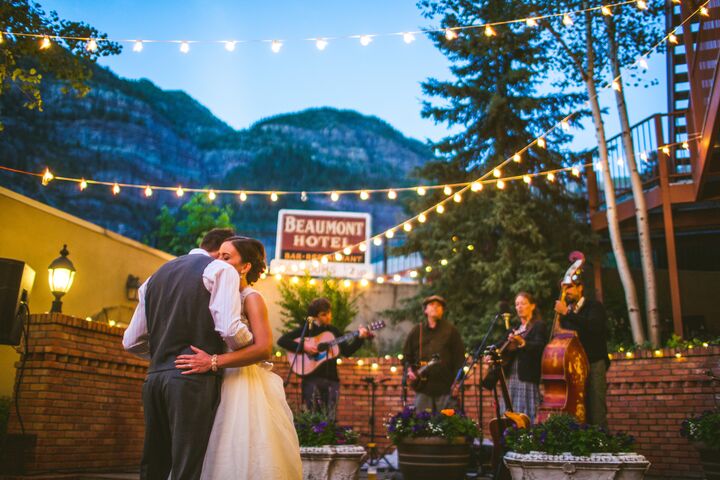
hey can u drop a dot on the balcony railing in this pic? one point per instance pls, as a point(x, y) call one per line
point(649, 138)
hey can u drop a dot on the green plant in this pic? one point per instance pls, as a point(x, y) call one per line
point(703, 428)
point(448, 424)
point(562, 433)
point(297, 296)
point(316, 428)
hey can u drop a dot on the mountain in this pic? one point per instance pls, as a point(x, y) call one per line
point(131, 131)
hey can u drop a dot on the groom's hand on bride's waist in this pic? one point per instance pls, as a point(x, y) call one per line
point(200, 362)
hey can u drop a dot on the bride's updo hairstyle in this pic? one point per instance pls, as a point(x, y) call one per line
point(253, 252)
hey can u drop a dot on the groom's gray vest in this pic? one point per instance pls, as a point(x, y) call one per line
point(177, 307)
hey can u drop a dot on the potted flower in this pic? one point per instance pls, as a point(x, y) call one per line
point(561, 446)
point(704, 432)
point(327, 450)
point(432, 445)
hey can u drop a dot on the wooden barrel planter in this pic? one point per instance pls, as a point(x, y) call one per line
point(432, 458)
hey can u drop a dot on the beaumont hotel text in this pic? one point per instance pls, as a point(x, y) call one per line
point(322, 233)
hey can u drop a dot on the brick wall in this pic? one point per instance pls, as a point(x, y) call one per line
point(81, 397)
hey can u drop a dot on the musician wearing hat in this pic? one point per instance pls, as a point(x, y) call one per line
point(433, 353)
point(588, 318)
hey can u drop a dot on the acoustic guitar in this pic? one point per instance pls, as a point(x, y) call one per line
point(327, 344)
point(421, 377)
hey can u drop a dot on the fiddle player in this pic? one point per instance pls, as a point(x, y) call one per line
point(434, 336)
point(588, 318)
point(525, 349)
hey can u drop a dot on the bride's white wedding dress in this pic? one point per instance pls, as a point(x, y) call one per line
point(253, 437)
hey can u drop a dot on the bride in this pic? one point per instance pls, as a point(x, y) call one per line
point(253, 436)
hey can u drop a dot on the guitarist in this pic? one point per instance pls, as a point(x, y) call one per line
point(434, 336)
point(321, 388)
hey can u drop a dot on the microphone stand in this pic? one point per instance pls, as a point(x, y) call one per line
point(298, 349)
point(403, 394)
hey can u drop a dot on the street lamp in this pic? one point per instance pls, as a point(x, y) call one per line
point(61, 273)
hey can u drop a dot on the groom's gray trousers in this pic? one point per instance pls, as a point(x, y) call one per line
point(179, 414)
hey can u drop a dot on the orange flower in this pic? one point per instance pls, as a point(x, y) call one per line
point(448, 412)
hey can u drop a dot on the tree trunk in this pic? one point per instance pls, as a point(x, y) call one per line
point(641, 215)
point(609, 189)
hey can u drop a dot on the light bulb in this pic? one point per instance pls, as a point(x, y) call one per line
point(567, 20)
point(380, 280)
point(672, 38)
point(489, 31)
point(45, 43)
point(443, 262)
point(392, 194)
point(138, 46)
point(362, 247)
point(531, 22)
point(703, 11)
point(243, 196)
point(422, 218)
point(616, 86)
point(450, 34)
point(47, 177)
point(338, 256)
point(334, 196)
point(413, 274)
point(500, 184)
point(377, 241)
point(148, 191)
point(83, 184)
point(440, 209)
point(496, 172)
point(421, 191)
point(184, 47)
point(364, 195)
point(275, 46)
point(230, 46)
point(212, 195)
point(115, 189)
point(347, 250)
point(642, 5)
point(179, 192)
point(565, 125)
point(527, 179)
point(428, 269)
point(324, 259)
point(364, 283)
point(408, 37)
point(606, 11)
point(643, 63)
point(476, 186)
point(575, 171)
point(365, 40)
point(321, 44)
point(551, 177)
point(517, 158)
point(397, 278)
point(91, 45)
point(447, 190)
point(407, 227)
point(390, 233)
point(541, 142)
point(457, 198)
point(274, 197)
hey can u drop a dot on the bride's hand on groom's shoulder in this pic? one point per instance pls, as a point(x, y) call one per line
point(200, 362)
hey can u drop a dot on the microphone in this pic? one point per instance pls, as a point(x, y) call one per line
point(505, 312)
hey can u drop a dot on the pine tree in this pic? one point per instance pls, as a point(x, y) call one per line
point(496, 242)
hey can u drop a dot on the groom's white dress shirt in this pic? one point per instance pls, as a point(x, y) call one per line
point(223, 283)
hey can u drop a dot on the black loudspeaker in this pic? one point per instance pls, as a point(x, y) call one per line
point(16, 281)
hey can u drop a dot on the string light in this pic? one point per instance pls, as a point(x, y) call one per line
point(83, 184)
point(362, 247)
point(211, 195)
point(450, 34)
point(347, 283)
point(243, 196)
point(476, 186)
point(551, 177)
point(274, 197)
point(606, 11)
point(672, 39)
point(2, 38)
point(686, 145)
point(380, 280)
point(364, 195)
point(407, 227)
point(575, 171)
point(347, 250)
point(321, 44)
point(45, 43)
point(338, 257)
point(275, 46)
point(704, 12)
point(365, 40)
point(148, 191)
point(531, 22)
point(179, 192)
point(324, 260)
point(364, 283)
point(421, 191)
point(413, 274)
point(497, 172)
point(422, 218)
point(390, 233)
point(47, 177)
point(377, 241)
point(447, 190)
point(91, 45)
point(541, 142)
point(565, 125)
point(230, 46)
point(408, 37)
point(665, 150)
point(567, 20)
point(643, 63)
point(517, 158)
point(138, 46)
point(642, 5)
point(392, 194)
point(527, 179)
point(116, 189)
point(184, 47)
point(616, 85)
point(397, 278)
point(471, 247)
point(444, 262)
point(489, 31)
point(440, 209)
point(428, 269)
point(334, 196)
point(457, 198)
point(500, 184)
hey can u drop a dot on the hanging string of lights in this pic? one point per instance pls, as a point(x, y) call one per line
point(322, 42)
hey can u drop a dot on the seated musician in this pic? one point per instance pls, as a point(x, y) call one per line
point(434, 336)
point(589, 319)
point(321, 388)
point(524, 355)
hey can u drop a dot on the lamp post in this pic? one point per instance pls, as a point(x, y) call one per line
point(61, 273)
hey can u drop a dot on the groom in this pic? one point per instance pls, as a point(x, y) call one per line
point(191, 300)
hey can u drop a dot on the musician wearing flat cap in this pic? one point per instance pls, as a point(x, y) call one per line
point(433, 353)
point(588, 318)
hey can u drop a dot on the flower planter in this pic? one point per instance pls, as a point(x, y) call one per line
point(598, 466)
point(432, 458)
point(709, 459)
point(336, 462)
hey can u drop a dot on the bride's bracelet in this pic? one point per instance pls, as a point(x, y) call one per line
point(213, 363)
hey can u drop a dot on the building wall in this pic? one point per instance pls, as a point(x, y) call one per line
point(81, 397)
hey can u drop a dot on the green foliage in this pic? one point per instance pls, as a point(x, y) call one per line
point(179, 233)
point(562, 433)
point(703, 428)
point(449, 424)
point(316, 428)
point(297, 296)
point(5, 403)
point(23, 65)
point(496, 242)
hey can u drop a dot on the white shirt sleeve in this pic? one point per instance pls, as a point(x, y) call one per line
point(135, 339)
point(223, 283)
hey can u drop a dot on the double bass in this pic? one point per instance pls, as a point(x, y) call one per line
point(564, 362)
